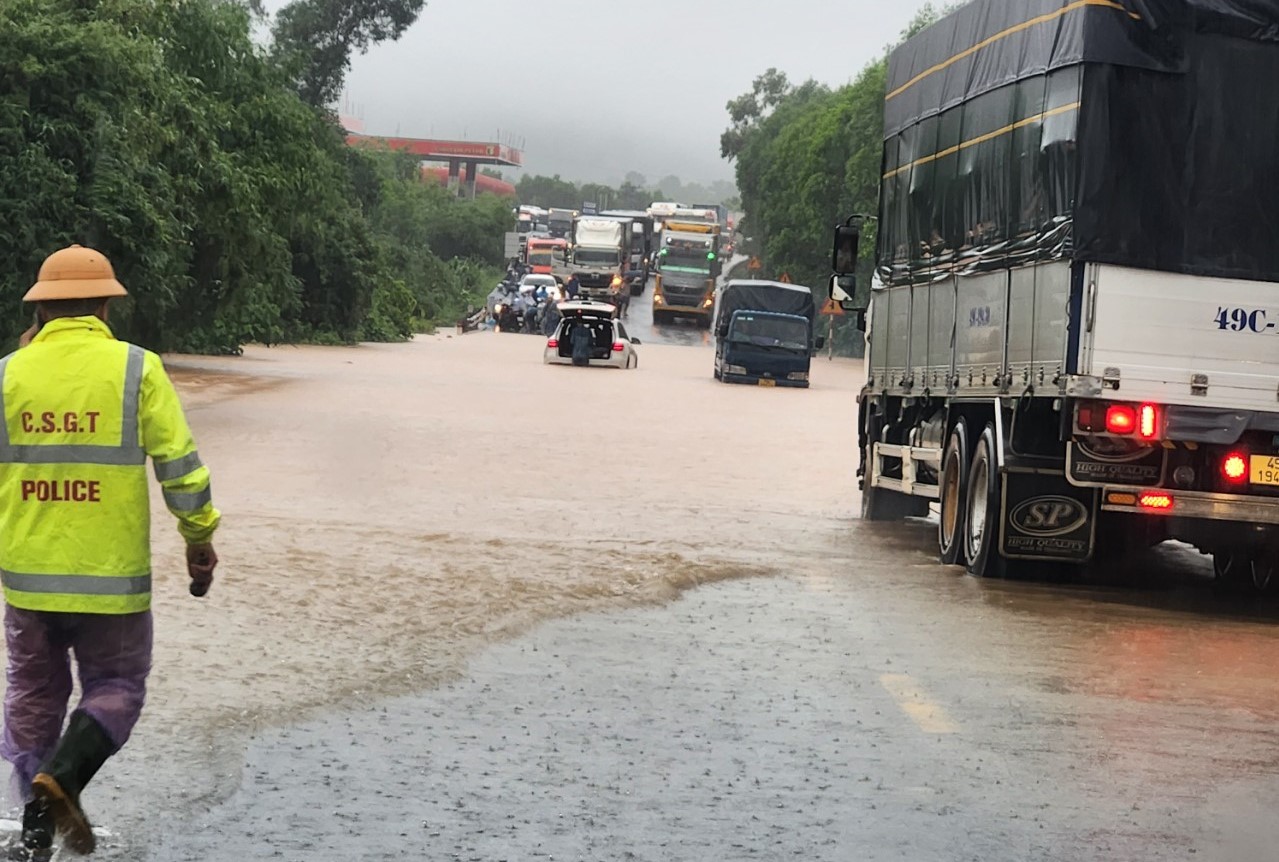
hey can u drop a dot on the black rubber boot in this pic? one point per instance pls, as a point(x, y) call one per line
point(84, 748)
point(37, 831)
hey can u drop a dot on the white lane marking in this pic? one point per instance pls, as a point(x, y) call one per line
point(914, 701)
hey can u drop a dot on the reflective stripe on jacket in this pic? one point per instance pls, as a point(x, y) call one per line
point(82, 412)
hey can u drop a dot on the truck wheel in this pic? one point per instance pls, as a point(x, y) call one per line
point(954, 497)
point(983, 510)
point(659, 317)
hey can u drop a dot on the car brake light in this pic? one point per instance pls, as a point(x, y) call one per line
point(1234, 467)
point(554, 342)
point(1148, 422)
point(618, 347)
point(1155, 501)
point(1121, 419)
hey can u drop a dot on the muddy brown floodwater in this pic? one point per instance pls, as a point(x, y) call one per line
point(455, 622)
point(389, 510)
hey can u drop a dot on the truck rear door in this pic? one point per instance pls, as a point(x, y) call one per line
point(1180, 339)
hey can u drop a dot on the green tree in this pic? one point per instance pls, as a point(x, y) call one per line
point(166, 136)
point(748, 110)
point(806, 157)
point(547, 192)
point(317, 38)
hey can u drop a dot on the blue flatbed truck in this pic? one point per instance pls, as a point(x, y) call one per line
point(764, 333)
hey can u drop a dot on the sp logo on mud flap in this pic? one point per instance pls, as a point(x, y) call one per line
point(1049, 516)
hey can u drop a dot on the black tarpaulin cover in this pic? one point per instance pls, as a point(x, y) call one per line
point(763, 296)
point(1136, 132)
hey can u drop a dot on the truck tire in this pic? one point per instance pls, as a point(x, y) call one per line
point(880, 504)
point(983, 511)
point(659, 317)
point(954, 497)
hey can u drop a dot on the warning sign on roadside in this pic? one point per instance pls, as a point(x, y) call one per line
point(784, 278)
point(832, 309)
point(755, 265)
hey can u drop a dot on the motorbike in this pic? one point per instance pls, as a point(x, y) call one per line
point(621, 301)
point(508, 313)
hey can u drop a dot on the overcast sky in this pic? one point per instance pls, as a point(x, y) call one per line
point(594, 88)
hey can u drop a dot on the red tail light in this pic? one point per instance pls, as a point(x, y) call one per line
point(618, 347)
point(1155, 501)
point(1121, 419)
point(1148, 422)
point(1235, 467)
point(554, 342)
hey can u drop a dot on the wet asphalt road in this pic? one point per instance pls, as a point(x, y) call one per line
point(846, 699)
point(639, 324)
point(866, 705)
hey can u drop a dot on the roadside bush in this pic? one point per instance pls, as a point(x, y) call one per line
point(164, 135)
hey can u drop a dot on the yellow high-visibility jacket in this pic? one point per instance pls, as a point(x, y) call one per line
point(82, 412)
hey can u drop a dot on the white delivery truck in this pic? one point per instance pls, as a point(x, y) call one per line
point(600, 253)
point(1074, 318)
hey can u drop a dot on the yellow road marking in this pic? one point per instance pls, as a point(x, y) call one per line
point(913, 701)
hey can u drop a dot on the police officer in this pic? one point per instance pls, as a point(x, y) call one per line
point(82, 412)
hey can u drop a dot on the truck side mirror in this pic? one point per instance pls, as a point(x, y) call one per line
point(821, 342)
point(842, 290)
point(848, 240)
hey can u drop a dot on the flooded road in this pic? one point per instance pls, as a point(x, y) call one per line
point(454, 623)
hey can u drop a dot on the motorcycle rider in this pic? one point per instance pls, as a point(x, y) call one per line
point(551, 317)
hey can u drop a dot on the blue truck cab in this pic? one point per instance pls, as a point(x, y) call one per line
point(764, 333)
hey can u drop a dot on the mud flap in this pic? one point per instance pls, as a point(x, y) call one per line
point(1144, 468)
point(1046, 518)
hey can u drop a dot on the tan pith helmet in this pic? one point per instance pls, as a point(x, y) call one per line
point(75, 273)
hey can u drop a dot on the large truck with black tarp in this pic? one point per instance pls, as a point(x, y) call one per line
point(764, 333)
point(559, 222)
point(1074, 325)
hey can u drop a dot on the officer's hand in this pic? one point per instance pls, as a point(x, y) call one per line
point(201, 561)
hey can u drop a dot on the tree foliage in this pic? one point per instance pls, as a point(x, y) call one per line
point(317, 38)
point(807, 157)
point(162, 134)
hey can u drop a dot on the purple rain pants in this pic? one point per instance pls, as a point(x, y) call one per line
point(113, 654)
